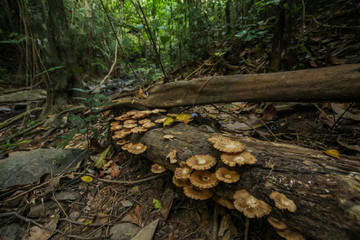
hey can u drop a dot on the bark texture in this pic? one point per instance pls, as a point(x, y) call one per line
point(326, 190)
point(340, 83)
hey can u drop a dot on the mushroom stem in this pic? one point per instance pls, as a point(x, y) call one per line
point(247, 225)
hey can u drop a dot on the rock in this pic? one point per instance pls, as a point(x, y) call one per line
point(11, 232)
point(124, 231)
point(147, 233)
point(42, 209)
point(26, 167)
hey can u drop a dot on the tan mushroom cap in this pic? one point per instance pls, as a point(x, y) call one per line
point(130, 125)
point(249, 205)
point(276, 223)
point(183, 172)
point(138, 129)
point(122, 142)
point(115, 127)
point(148, 125)
point(158, 110)
point(121, 134)
point(282, 202)
point(139, 114)
point(160, 120)
point(238, 158)
point(172, 156)
point(226, 175)
point(115, 123)
point(196, 193)
point(127, 146)
point(157, 168)
point(223, 202)
point(203, 179)
point(290, 235)
point(168, 137)
point(142, 121)
point(130, 121)
point(225, 144)
point(201, 162)
point(180, 182)
point(136, 148)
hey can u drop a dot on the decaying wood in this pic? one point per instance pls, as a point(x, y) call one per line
point(340, 83)
point(326, 190)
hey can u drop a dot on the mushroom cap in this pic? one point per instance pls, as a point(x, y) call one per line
point(249, 205)
point(123, 117)
point(226, 175)
point(138, 129)
point(158, 110)
point(223, 202)
point(160, 120)
point(196, 193)
point(115, 127)
point(148, 125)
point(126, 146)
point(180, 182)
point(183, 172)
point(225, 144)
point(130, 125)
point(282, 202)
point(121, 142)
point(238, 158)
point(276, 223)
point(115, 123)
point(201, 162)
point(136, 148)
point(157, 168)
point(142, 121)
point(168, 137)
point(203, 179)
point(121, 134)
point(130, 121)
point(290, 235)
point(139, 114)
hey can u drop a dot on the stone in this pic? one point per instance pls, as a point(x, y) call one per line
point(124, 231)
point(11, 232)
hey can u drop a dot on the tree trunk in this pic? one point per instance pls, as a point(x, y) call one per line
point(275, 62)
point(325, 190)
point(340, 83)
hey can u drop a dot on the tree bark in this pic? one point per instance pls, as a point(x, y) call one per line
point(326, 190)
point(340, 83)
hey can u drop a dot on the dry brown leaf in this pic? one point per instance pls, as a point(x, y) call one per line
point(141, 94)
point(115, 170)
point(101, 218)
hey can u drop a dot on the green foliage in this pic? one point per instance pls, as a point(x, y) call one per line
point(10, 145)
point(157, 204)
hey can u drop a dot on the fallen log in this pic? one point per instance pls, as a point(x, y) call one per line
point(326, 190)
point(340, 83)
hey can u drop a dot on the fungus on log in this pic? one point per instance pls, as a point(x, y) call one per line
point(325, 190)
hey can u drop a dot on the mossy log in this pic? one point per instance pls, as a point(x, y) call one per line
point(326, 190)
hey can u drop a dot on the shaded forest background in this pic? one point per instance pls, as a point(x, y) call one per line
point(68, 44)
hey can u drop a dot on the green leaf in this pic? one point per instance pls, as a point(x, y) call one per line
point(154, 23)
point(102, 158)
point(78, 121)
point(49, 70)
point(78, 69)
point(157, 204)
point(80, 90)
point(241, 34)
point(139, 26)
point(80, 98)
point(68, 138)
point(164, 39)
point(14, 41)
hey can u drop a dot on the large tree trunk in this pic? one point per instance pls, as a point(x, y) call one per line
point(326, 190)
point(340, 83)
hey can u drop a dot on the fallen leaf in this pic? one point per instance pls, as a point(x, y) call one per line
point(185, 118)
point(101, 218)
point(333, 153)
point(168, 122)
point(115, 170)
point(102, 158)
point(86, 179)
point(269, 113)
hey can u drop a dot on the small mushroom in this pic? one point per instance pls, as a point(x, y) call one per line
point(290, 235)
point(180, 182)
point(223, 202)
point(277, 224)
point(115, 127)
point(160, 120)
point(168, 137)
point(130, 121)
point(121, 134)
point(138, 129)
point(238, 158)
point(121, 142)
point(142, 121)
point(201, 162)
point(196, 193)
point(172, 156)
point(115, 123)
point(226, 175)
point(157, 168)
point(148, 125)
point(282, 202)
point(249, 205)
point(203, 179)
point(136, 148)
point(139, 115)
point(225, 144)
point(183, 172)
point(130, 125)
point(157, 110)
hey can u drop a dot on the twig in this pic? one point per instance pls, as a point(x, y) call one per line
point(195, 71)
point(24, 193)
point(341, 116)
point(4, 139)
point(17, 117)
point(334, 26)
point(47, 228)
point(129, 182)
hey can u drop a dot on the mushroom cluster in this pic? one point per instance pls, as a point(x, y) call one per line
point(132, 122)
point(282, 229)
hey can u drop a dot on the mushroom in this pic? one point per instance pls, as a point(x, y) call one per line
point(183, 172)
point(142, 121)
point(130, 125)
point(172, 156)
point(157, 168)
point(282, 202)
point(180, 182)
point(121, 142)
point(157, 110)
point(223, 202)
point(121, 134)
point(249, 205)
point(115, 123)
point(122, 117)
point(139, 115)
point(115, 127)
point(127, 146)
point(138, 129)
point(136, 148)
point(201, 162)
point(168, 137)
point(225, 144)
point(239, 158)
point(277, 224)
point(290, 235)
point(130, 121)
point(226, 175)
point(160, 120)
point(196, 193)
point(203, 179)
point(148, 125)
